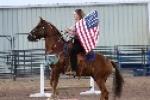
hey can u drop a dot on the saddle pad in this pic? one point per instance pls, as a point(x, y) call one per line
point(91, 56)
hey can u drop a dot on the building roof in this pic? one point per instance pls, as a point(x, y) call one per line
point(19, 3)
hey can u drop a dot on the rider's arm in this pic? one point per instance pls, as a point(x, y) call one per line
point(71, 30)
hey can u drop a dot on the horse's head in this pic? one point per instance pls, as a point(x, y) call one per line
point(39, 31)
point(49, 32)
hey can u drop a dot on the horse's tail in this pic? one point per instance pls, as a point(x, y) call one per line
point(117, 81)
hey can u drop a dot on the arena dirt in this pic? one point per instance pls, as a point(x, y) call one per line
point(135, 88)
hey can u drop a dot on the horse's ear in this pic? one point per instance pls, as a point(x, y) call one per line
point(41, 18)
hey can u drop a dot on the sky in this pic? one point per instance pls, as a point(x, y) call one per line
point(35, 2)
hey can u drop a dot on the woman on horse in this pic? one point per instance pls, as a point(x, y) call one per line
point(76, 46)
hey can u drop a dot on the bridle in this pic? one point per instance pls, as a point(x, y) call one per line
point(43, 32)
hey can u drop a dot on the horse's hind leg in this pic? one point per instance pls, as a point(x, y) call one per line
point(104, 91)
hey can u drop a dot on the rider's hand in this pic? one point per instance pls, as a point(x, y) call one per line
point(67, 30)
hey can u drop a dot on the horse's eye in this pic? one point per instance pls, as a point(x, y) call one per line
point(34, 36)
point(33, 30)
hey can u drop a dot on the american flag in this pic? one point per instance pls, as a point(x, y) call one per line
point(87, 30)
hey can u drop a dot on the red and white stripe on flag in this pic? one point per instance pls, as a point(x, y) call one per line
point(88, 37)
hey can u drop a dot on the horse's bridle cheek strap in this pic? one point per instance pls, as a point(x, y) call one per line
point(44, 32)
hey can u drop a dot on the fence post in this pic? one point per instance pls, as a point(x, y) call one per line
point(24, 61)
point(31, 62)
point(145, 54)
point(15, 65)
point(117, 54)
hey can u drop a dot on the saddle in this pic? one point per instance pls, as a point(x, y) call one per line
point(91, 56)
point(84, 61)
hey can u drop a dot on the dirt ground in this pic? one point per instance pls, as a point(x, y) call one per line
point(135, 88)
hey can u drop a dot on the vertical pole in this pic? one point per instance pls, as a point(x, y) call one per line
point(31, 62)
point(12, 62)
point(143, 61)
point(12, 56)
point(42, 93)
point(15, 66)
point(24, 61)
point(42, 79)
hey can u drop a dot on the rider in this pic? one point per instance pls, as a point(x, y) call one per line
point(76, 47)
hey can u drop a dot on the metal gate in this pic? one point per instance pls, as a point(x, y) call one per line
point(6, 66)
point(27, 56)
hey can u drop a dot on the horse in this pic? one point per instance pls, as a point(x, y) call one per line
point(99, 69)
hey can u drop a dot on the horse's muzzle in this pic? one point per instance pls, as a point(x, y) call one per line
point(31, 38)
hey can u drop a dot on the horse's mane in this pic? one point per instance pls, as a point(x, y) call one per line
point(56, 30)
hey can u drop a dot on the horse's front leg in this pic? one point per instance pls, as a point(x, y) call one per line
point(54, 83)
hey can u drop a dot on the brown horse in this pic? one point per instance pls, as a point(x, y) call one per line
point(99, 69)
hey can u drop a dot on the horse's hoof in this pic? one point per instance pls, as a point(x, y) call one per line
point(57, 93)
point(54, 97)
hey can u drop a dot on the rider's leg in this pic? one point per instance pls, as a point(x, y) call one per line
point(73, 59)
point(77, 48)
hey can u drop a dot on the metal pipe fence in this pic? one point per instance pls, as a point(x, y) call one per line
point(26, 62)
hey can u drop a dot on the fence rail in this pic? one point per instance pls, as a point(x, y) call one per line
point(26, 62)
